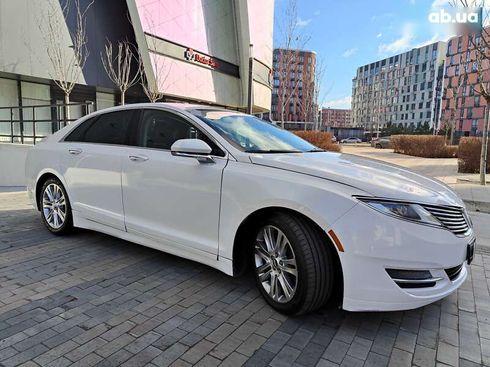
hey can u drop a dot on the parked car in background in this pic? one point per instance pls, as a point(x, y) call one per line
point(382, 143)
point(233, 192)
point(351, 140)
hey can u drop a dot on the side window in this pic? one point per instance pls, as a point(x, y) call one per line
point(78, 133)
point(108, 128)
point(160, 129)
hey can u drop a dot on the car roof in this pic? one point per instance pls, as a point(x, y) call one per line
point(175, 106)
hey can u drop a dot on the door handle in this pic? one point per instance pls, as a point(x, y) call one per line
point(74, 151)
point(138, 158)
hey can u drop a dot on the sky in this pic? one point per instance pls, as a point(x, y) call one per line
point(347, 34)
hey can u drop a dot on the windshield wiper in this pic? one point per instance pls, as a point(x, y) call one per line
point(315, 150)
point(272, 151)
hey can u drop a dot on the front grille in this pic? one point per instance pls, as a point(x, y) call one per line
point(453, 273)
point(452, 218)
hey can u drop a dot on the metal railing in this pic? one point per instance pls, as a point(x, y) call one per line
point(29, 124)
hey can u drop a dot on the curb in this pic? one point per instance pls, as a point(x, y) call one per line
point(478, 206)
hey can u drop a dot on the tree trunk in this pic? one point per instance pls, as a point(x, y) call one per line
point(484, 148)
point(451, 139)
point(67, 109)
point(123, 99)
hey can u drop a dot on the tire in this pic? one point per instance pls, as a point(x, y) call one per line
point(314, 265)
point(379, 146)
point(55, 207)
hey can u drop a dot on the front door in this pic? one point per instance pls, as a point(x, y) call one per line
point(169, 198)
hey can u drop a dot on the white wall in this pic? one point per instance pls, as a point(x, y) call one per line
point(22, 45)
point(12, 164)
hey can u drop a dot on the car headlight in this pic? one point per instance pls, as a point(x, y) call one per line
point(407, 211)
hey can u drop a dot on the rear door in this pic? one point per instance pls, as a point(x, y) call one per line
point(92, 160)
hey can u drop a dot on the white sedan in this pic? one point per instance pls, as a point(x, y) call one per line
point(351, 140)
point(234, 192)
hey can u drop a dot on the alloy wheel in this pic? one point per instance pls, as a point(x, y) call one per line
point(54, 206)
point(275, 264)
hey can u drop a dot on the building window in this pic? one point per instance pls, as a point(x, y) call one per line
point(477, 101)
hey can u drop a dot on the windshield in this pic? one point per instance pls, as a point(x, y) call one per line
point(252, 135)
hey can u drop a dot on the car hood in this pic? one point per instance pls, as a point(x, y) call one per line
point(371, 176)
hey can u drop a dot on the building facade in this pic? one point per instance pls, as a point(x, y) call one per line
point(402, 89)
point(194, 51)
point(462, 107)
point(293, 93)
point(336, 117)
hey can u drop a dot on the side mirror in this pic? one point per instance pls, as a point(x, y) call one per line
point(192, 148)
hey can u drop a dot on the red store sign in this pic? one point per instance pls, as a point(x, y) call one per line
point(192, 55)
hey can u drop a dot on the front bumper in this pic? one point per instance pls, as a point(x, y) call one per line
point(374, 242)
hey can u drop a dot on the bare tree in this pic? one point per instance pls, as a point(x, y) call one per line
point(479, 56)
point(288, 62)
point(310, 92)
point(379, 109)
point(119, 66)
point(320, 91)
point(305, 96)
point(153, 86)
point(453, 90)
point(67, 61)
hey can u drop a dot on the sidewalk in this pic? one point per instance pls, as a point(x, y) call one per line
point(476, 197)
point(12, 188)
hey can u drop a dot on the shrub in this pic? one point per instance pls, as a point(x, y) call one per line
point(320, 139)
point(469, 155)
point(427, 146)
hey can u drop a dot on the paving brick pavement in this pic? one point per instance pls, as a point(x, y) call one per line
point(93, 300)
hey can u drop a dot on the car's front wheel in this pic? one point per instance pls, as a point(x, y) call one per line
point(294, 269)
point(55, 207)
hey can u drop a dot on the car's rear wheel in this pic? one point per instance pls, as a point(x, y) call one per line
point(378, 146)
point(55, 207)
point(294, 268)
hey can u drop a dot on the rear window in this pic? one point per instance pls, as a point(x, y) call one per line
point(108, 128)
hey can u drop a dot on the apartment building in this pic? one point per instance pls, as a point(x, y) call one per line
point(462, 106)
point(401, 89)
point(293, 83)
point(336, 117)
